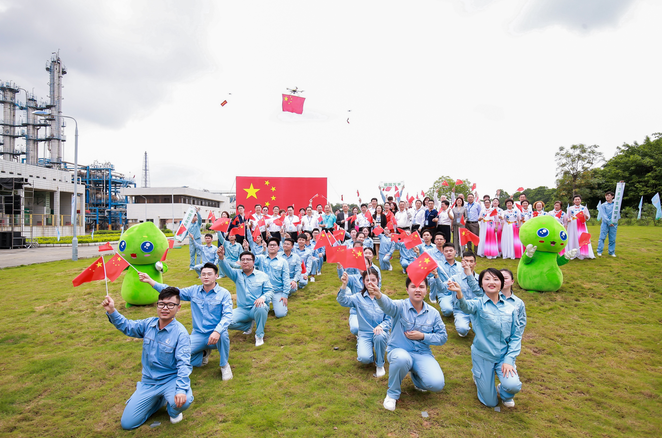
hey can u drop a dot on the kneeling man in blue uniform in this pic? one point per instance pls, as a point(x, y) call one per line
point(166, 360)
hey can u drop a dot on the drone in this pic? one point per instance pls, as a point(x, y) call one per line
point(295, 90)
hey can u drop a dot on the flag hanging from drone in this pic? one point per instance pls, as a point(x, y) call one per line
point(292, 103)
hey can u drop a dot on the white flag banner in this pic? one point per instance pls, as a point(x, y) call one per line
point(618, 199)
point(186, 223)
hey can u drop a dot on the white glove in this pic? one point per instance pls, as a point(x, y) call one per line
point(159, 266)
point(571, 254)
point(530, 250)
point(386, 258)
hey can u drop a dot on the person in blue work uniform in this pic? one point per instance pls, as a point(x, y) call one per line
point(608, 228)
point(166, 360)
point(194, 229)
point(254, 290)
point(415, 327)
point(462, 320)
point(374, 324)
point(355, 284)
point(386, 249)
point(208, 252)
point(297, 279)
point(507, 292)
point(437, 254)
point(279, 275)
point(232, 249)
point(498, 339)
point(306, 256)
point(211, 310)
point(448, 268)
point(406, 256)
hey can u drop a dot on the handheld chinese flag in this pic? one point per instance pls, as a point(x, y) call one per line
point(115, 266)
point(422, 194)
point(395, 237)
point(444, 183)
point(303, 268)
point(519, 207)
point(256, 233)
point(584, 239)
point(339, 235)
point(420, 268)
point(171, 243)
point(558, 215)
point(377, 230)
point(322, 240)
point(581, 218)
point(336, 254)
point(357, 194)
point(279, 220)
point(320, 219)
point(238, 231)
point(225, 102)
point(412, 240)
point(494, 212)
point(354, 258)
point(211, 217)
point(165, 255)
point(105, 247)
point(520, 189)
point(473, 187)
point(462, 221)
point(387, 189)
point(221, 224)
point(368, 217)
point(293, 104)
point(468, 236)
point(458, 182)
point(91, 273)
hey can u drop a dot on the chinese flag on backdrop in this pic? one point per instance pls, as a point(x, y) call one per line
point(115, 266)
point(91, 273)
point(293, 104)
point(280, 191)
point(468, 236)
point(420, 268)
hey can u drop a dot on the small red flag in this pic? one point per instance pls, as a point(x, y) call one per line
point(519, 207)
point(520, 189)
point(256, 233)
point(368, 217)
point(494, 212)
point(211, 217)
point(336, 254)
point(261, 222)
point(115, 266)
point(581, 218)
point(584, 239)
point(458, 182)
point(422, 194)
point(357, 194)
point(387, 189)
point(352, 218)
point(341, 198)
point(171, 243)
point(377, 230)
point(468, 236)
point(224, 103)
point(462, 221)
point(320, 219)
point(339, 235)
point(303, 268)
point(221, 224)
point(412, 240)
point(395, 237)
point(473, 187)
point(238, 231)
point(354, 258)
point(293, 104)
point(91, 273)
point(444, 183)
point(322, 240)
point(165, 255)
point(420, 268)
point(105, 247)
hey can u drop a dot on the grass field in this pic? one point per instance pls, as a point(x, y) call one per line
point(591, 361)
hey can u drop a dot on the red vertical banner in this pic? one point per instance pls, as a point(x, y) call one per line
point(270, 191)
point(293, 104)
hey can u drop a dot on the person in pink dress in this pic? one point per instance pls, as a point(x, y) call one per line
point(482, 228)
point(510, 220)
point(576, 217)
point(492, 217)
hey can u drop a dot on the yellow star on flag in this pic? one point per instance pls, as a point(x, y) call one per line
point(427, 260)
point(251, 191)
point(266, 203)
point(266, 183)
point(98, 265)
point(273, 198)
point(273, 189)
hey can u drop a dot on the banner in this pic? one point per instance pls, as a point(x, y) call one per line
point(181, 232)
point(283, 192)
point(618, 199)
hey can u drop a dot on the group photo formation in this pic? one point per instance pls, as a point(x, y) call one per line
point(341, 219)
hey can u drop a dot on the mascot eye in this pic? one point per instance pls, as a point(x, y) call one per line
point(564, 236)
point(146, 246)
point(122, 245)
point(543, 232)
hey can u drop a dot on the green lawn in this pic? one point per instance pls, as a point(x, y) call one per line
point(590, 363)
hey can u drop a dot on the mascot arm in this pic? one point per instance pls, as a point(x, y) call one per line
point(527, 257)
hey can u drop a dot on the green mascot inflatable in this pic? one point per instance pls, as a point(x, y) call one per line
point(143, 246)
point(544, 238)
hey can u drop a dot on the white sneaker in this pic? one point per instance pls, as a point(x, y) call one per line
point(205, 357)
point(259, 341)
point(312, 279)
point(433, 301)
point(420, 389)
point(226, 372)
point(463, 335)
point(390, 268)
point(613, 255)
point(250, 330)
point(381, 372)
point(389, 403)
point(177, 419)
point(599, 254)
point(507, 403)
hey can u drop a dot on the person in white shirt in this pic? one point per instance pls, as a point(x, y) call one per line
point(418, 216)
point(403, 217)
point(309, 221)
point(291, 223)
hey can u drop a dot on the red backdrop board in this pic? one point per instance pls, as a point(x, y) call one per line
point(270, 191)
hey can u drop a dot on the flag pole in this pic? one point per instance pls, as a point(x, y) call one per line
point(127, 262)
point(105, 277)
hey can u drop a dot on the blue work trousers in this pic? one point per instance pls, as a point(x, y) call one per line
point(483, 372)
point(364, 345)
point(425, 371)
point(280, 309)
point(354, 324)
point(150, 398)
point(462, 322)
point(445, 301)
point(196, 255)
point(199, 344)
point(607, 231)
point(242, 319)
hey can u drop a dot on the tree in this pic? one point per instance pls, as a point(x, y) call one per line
point(573, 166)
point(440, 189)
point(541, 193)
point(639, 165)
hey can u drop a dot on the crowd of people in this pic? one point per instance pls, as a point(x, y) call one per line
point(276, 255)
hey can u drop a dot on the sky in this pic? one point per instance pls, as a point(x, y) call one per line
point(480, 90)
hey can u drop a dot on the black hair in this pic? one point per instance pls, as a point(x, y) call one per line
point(509, 200)
point(439, 233)
point(210, 266)
point(408, 282)
point(364, 205)
point(273, 239)
point(493, 271)
point(247, 253)
point(469, 253)
point(508, 271)
point(367, 248)
point(460, 199)
point(576, 196)
point(373, 199)
point(168, 292)
point(358, 244)
point(609, 193)
point(364, 274)
point(289, 239)
point(448, 245)
point(240, 205)
point(209, 235)
point(446, 203)
point(427, 231)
